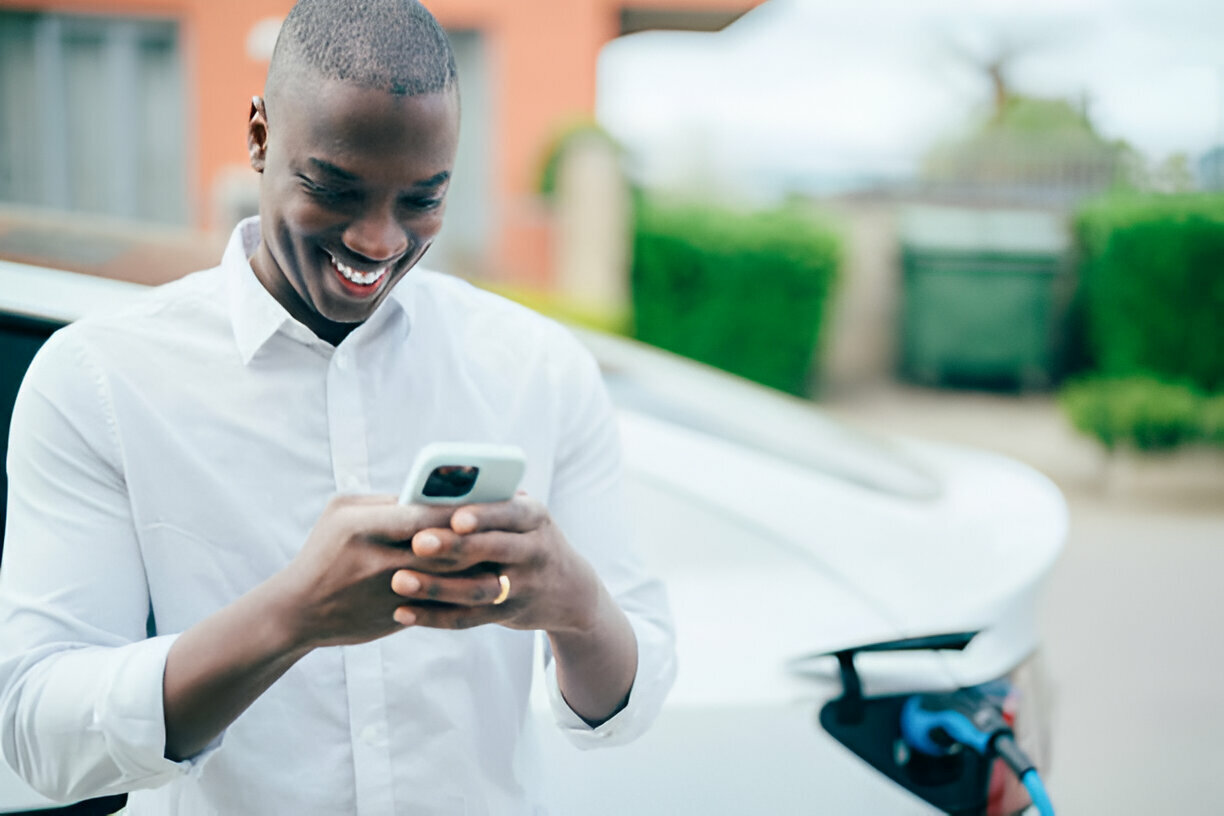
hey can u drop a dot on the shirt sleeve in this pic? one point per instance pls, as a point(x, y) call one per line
point(80, 683)
point(588, 504)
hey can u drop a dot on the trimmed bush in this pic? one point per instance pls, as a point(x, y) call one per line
point(1152, 287)
point(1211, 416)
point(1144, 413)
point(745, 292)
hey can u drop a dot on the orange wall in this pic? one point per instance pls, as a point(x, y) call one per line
point(542, 60)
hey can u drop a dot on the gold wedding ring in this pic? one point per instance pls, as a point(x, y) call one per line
point(505, 590)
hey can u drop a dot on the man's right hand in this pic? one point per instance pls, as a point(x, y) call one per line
point(338, 587)
point(337, 590)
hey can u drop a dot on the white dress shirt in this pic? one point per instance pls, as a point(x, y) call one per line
point(167, 459)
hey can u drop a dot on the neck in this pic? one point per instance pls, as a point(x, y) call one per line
point(278, 287)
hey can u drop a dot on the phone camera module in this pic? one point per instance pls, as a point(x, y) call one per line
point(450, 481)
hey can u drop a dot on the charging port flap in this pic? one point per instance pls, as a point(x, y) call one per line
point(956, 782)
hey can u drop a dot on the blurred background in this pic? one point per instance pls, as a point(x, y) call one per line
point(992, 222)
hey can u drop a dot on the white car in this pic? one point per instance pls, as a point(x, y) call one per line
point(787, 541)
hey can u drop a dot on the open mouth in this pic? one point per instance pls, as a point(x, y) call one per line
point(357, 277)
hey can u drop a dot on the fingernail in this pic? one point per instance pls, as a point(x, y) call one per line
point(407, 582)
point(463, 520)
point(404, 617)
point(426, 544)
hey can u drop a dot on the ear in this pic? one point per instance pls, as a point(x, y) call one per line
point(257, 134)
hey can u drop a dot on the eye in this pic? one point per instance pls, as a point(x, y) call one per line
point(424, 204)
point(325, 194)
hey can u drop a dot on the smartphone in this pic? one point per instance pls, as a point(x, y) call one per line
point(464, 473)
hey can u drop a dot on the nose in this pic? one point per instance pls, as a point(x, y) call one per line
point(376, 236)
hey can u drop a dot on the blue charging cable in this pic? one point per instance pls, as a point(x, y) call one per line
point(935, 723)
point(1037, 792)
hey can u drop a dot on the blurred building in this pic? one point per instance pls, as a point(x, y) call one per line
point(135, 110)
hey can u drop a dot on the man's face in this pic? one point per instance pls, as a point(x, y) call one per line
point(352, 194)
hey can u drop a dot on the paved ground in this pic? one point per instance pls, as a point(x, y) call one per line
point(1133, 615)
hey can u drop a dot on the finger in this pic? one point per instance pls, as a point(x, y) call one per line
point(440, 543)
point(449, 617)
point(404, 616)
point(467, 590)
point(388, 522)
point(442, 550)
point(447, 551)
point(496, 547)
point(522, 514)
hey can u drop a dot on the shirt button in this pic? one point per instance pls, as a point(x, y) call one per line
point(350, 484)
point(342, 361)
point(372, 734)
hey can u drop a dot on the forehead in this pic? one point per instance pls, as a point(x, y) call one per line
point(351, 125)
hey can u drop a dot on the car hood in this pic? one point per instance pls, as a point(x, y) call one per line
point(888, 537)
point(777, 561)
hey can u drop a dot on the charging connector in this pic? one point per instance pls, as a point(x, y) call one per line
point(1024, 769)
point(939, 724)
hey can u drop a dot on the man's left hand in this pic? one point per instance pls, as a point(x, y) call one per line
point(551, 587)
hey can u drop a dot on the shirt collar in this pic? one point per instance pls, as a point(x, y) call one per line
point(257, 316)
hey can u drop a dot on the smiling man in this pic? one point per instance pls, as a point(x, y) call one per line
point(210, 598)
point(356, 162)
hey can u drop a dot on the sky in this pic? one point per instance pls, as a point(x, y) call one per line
point(833, 93)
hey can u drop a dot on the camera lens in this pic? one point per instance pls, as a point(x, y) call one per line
point(450, 481)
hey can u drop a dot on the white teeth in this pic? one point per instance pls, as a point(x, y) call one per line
point(363, 278)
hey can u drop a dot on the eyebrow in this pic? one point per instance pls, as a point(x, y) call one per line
point(333, 170)
point(339, 172)
point(434, 180)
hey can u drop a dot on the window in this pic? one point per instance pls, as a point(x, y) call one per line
point(92, 115)
point(461, 245)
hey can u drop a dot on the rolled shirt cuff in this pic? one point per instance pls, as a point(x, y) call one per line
point(89, 721)
point(656, 671)
point(130, 715)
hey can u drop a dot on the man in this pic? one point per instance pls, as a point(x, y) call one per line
point(214, 468)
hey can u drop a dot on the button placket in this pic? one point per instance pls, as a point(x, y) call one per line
point(346, 420)
point(363, 669)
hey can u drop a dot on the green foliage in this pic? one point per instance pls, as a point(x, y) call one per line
point(597, 316)
point(1044, 118)
point(1211, 419)
point(1144, 412)
point(1152, 286)
point(745, 292)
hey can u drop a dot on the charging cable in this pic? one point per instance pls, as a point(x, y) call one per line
point(936, 723)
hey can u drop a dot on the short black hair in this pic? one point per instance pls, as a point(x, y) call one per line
point(396, 45)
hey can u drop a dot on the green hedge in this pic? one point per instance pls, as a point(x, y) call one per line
point(1144, 412)
point(745, 292)
point(1151, 306)
point(1211, 419)
point(1152, 287)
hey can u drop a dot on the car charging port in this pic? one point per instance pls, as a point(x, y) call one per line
point(942, 770)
